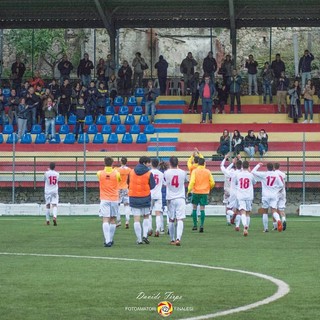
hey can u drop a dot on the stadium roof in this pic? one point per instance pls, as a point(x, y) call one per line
point(115, 14)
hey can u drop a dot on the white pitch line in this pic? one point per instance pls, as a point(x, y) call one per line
point(283, 288)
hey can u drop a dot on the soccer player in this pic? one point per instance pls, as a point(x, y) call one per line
point(51, 192)
point(200, 184)
point(244, 182)
point(271, 186)
point(193, 160)
point(123, 191)
point(175, 180)
point(141, 182)
point(156, 195)
point(109, 179)
point(281, 205)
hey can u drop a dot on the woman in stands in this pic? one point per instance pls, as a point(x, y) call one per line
point(250, 142)
point(224, 143)
point(262, 141)
point(308, 93)
point(295, 106)
point(237, 142)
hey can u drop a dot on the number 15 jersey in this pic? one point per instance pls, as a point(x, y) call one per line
point(175, 180)
point(51, 178)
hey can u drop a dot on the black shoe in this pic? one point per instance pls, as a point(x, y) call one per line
point(201, 230)
point(145, 240)
point(284, 225)
point(139, 242)
point(194, 228)
point(108, 245)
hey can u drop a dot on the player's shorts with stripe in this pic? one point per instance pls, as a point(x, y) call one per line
point(51, 198)
point(269, 203)
point(245, 205)
point(123, 196)
point(156, 204)
point(233, 202)
point(176, 208)
point(140, 211)
point(281, 205)
point(198, 198)
point(108, 209)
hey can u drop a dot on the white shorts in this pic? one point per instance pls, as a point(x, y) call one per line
point(281, 205)
point(123, 196)
point(108, 209)
point(140, 211)
point(269, 203)
point(245, 205)
point(233, 202)
point(51, 198)
point(177, 209)
point(156, 205)
point(226, 197)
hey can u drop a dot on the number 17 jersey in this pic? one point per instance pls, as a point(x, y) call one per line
point(51, 178)
point(175, 180)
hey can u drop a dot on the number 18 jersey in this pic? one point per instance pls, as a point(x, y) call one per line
point(51, 178)
point(244, 185)
point(175, 180)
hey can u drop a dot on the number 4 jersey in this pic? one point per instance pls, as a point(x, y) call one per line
point(175, 180)
point(51, 178)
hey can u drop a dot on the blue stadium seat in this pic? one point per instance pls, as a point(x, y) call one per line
point(124, 110)
point(143, 102)
point(149, 129)
point(142, 138)
point(132, 102)
point(72, 119)
point(92, 129)
point(60, 120)
point(83, 136)
point(40, 138)
point(134, 129)
point(110, 111)
point(6, 92)
point(1, 138)
point(64, 129)
point(118, 101)
point(88, 120)
point(8, 129)
point(26, 139)
point(108, 102)
point(130, 120)
point(127, 138)
point(101, 120)
point(144, 120)
point(137, 110)
point(10, 138)
point(98, 138)
point(69, 139)
point(139, 92)
point(115, 120)
point(106, 129)
point(120, 129)
point(36, 128)
point(113, 138)
point(56, 140)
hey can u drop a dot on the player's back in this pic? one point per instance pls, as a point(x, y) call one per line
point(244, 182)
point(51, 178)
point(124, 173)
point(271, 184)
point(283, 178)
point(158, 178)
point(175, 180)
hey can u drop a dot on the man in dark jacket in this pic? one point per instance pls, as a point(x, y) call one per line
point(209, 65)
point(282, 89)
point(17, 71)
point(277, 67)
point(234, 84)
point(187, 69)
point(194, 86)
point(84, 70)
point(125, 83)
point(305, 67)
point(162, 67)
point(141, 182)
point(65, 67)
point(252, 66)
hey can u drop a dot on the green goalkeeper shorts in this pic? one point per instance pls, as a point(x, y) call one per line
point(201, 199)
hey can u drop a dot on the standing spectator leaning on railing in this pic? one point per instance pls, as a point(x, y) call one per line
point(308, 92)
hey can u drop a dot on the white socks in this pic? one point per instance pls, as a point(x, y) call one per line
point(237, 220)
point(244, 220)
point(179, 229)
point(161, 222)
point(158, 223)
point(112, 228)
point(127, 212)
point(171, 230)
point(150, 222)
point(106, 231)
point(145, 227)
point(248, 221)
point(48, 214)
point(276, 216)
point(265, 221)
point(229, 215)
point(137, 230)
point(118, 214)
point(54, 212)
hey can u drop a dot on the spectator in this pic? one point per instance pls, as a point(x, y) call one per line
point(77, 93)
point(17, 71)
point(102, 95)
point(308, 93)
point(81, 112)
point(84, 70)
point(237, 142)
point(194, 86)
point(295, 105)
point(54, 89)
point(187, 69)
point(32, 101)
point(262, 141)
point(112, 87)
point(267, 78)
point(235, 90)
point(278, 67)
point(2, 109)
point(206, 92)
point(150, 95)
point(50, 111)
point(65, 67)
point(110, 67)
point(125, 84)
point(36, 80)
point(13, 104)
point(222, 97)
point(22, 114)
point(65, 100)
point(252, 66)
point(209, 65)
point(226, 69)
point(101, 71)
point(162, 68)
point(139, 65)
point(282, 89)
point(305, 66)
point(224, 146)
point(92, 99)
point(250, 142)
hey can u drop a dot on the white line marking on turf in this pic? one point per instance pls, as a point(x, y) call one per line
point(283, 288)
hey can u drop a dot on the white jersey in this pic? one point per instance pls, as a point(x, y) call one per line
point(270, 182)
point(175, 180)
point(51, 178)
point(283, 178)
point(244, 182)
point(227, 172)
point(158, 178)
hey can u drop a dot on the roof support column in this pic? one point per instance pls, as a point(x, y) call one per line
point(233, 32)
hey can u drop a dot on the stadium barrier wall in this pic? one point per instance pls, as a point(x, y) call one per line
point(310, 210)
